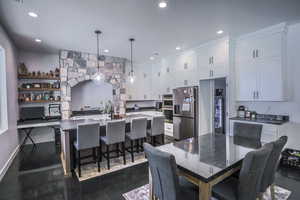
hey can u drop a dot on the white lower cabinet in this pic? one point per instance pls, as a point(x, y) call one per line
point(168, 129)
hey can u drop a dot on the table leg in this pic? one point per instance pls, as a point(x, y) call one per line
point(151, 196)
point(204, 191)
point(27, 136)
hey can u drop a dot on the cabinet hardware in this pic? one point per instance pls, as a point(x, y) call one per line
point(253, 95)
point(257, 94)
point(253, 54)
point(256, 53)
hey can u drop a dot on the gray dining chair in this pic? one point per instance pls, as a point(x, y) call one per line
point(157, 129)
point(167, 185)
point(115, 135)
point(138, 134)
point(246, 130)
point(87, 138)
point(272, 165)
point(247, 186)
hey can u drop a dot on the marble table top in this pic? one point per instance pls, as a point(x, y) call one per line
point(210, 155)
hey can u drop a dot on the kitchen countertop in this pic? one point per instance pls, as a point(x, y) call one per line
point(264, 121)
point(71, 124)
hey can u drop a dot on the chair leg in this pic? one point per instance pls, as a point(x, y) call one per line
point(117, 149)
point(124, 153)
point(74, 158)
point(137, 146)
point(100, 153)
point(142, 144)
point(132, 156)
point(108, 158)
point(79, 165)
point(98, 159)
point(94, 155)
point(272, 190)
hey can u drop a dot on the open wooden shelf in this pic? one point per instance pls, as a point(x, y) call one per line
point(38, 89)
point(38, 77)
point(39, 101)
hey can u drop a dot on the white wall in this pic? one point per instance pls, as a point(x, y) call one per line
point(292, 106)
point(43, 62)
point(90, 93)
point(9, 139)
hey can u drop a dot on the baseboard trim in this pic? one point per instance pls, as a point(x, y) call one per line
point(8, 162)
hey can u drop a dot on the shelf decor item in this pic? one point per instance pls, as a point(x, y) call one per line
point(22, 70)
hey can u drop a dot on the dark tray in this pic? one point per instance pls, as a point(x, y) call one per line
point(289, 159)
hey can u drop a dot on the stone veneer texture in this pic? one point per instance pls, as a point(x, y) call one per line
point(76, 67)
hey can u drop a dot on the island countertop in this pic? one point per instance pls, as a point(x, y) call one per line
point(71, 124)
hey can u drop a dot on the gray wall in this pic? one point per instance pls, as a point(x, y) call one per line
point(9, 139)
point(90, 93)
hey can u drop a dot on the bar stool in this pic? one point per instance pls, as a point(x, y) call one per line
point(87, 138)
point(157, 129)
point(115, 134)
point(138, 133)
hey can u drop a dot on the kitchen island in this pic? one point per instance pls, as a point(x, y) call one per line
point(69, 127)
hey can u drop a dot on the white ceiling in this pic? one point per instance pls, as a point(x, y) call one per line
point(70, 24)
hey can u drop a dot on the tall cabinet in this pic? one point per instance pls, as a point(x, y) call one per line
point(260, 65)
point(212, 59)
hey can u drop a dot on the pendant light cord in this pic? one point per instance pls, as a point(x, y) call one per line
point(98, 51)
point(131, 43)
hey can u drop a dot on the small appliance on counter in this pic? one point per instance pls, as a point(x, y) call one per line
point(241, 111)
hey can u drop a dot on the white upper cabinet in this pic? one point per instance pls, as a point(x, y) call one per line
point(212, 59)
point(260, 65)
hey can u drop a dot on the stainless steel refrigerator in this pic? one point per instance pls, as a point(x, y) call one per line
point(185, 116)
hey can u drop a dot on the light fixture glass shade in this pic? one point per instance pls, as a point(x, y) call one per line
point(98, 76)
point(131, 77)
point(162, 3)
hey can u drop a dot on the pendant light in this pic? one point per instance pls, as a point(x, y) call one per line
point(131, 74)
point(98, 75)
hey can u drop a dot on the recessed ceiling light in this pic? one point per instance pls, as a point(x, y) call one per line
point(32, 14)
point(220, 32)
point(162, 4)
point(38, 40)
point(106, 50)
point(152, 58)
point(178, 48)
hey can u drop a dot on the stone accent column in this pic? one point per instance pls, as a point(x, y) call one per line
point(77, 67)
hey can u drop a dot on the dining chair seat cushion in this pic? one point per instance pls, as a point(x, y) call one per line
point(226, 190)
point(188, 190)
point(133, 137)
point(151, 133)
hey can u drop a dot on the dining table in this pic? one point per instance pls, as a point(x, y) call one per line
point(208, 159)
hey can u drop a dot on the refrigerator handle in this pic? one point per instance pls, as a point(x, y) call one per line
point(177, 109)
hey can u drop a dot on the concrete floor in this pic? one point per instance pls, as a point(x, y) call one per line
point(37, 175)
